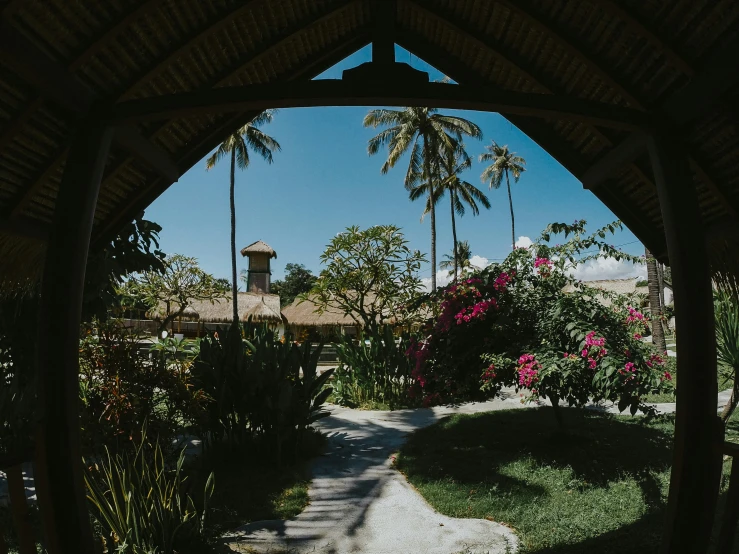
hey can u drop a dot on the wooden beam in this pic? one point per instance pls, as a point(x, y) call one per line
point(48, 77)
point(574, 49)
point(205, 144)
point(384, 13)
point(540, 133)
point(58, 467)
point(25, 227)
point(134, 142)
point(731, 206)
point(643, 30)
point(616, 158)
point(715, 76)
point(696, 468)
point(339, 93)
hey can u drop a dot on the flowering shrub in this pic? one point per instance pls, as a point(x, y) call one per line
point(514, 325)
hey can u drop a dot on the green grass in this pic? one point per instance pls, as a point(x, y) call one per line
point(600, 486)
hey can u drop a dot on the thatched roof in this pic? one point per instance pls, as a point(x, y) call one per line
point(304, 314)
point(674, 61)
point(258, 247)
point(618, 286)
point(260, 307)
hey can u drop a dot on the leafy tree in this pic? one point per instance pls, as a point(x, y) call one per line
point(423, 131)
point(463, 254)
point(298, 280)
point(237, 146)
point(504, 163)
point(370, 275)
point(181, 282)
point(134, 250)
point(452, 162)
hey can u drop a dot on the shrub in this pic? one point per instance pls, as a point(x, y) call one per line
point(513, 324)
point(265, 392)
point(122, 388)
point(374, 370)
point(140, 504)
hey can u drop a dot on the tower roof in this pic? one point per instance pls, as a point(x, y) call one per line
point(258, 247)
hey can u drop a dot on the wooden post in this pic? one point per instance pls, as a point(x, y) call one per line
point(694, 483)
point(58, 470)
point(19, 509)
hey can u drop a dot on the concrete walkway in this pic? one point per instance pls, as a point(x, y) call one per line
point(359, 503)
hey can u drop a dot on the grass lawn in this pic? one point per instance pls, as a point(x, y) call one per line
point(600, 486)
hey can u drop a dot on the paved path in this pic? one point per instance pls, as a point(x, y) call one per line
point(359, 503)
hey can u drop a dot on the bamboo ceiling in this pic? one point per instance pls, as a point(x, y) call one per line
point(676, 59)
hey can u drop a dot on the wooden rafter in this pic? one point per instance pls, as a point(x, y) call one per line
point(25, 227)
point(643, 30)
point(190, 41)
point(331, 92)
point(539, 132)
point(577, 51)
point(206, 143)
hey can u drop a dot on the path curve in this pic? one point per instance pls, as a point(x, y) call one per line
point(359, 503)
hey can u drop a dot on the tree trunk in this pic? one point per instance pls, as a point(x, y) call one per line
point(510, 204)
point(731, 404)
point(658, 335)
point(234, 284)
point(427, 169)
point(454, 237)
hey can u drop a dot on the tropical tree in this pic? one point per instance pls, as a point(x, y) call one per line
point(459, 260)
point(655, 303)
point(171, 291)
point(422, 131)
point(298, 280)
point(504, 163)
point(452, 162)
point(726, 310)
point(237, 146)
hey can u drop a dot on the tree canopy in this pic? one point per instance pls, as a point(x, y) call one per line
point(370, 275)
point(298, 280)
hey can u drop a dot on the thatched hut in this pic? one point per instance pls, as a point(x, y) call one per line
point(304, 320)
point(252, 307)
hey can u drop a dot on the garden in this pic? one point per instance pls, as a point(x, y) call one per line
point(186, 441)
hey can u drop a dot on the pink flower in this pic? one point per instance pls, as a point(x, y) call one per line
point(542, 261)
point(584, 352)
point(668, 377)
point(592, 363)
point(501, 282)
point(528, 370)
point(629, 367)
point(637, 336)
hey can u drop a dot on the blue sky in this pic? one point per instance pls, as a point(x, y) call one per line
point(324, 180)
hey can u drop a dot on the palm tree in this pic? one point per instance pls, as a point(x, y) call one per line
point(237, 145)
point(452, 163)
point(459, 258)
point(655, 306)
point(422, 131)
point(505, 163)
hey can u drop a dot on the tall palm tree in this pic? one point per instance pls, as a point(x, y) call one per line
point(459, 258)
point(503, 163)
point(422, 131)
point(655, 306)
point(237, 145)
point(452, 163)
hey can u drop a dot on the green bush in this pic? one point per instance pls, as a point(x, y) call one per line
point(140, 504)
point(265, 391)
point(373, 370)
point(123, 387)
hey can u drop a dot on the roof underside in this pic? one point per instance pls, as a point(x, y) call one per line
point(58, 57)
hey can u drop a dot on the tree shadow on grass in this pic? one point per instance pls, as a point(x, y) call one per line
point(600, 450)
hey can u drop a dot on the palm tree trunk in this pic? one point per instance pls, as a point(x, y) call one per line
point(427, 169)
point(234, 285)
point(454, 236)
point(510, 203)
point(658, 335)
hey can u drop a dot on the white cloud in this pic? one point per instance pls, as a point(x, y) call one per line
point(442, 280)
point(524, 242)
point(608, 268)
point(479, 262)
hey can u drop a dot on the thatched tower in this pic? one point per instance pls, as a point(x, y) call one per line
point(259, 253)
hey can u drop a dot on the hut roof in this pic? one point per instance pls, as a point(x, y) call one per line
point(305, 314)
point(58, 59)
point(261, 307)
point(618, 286)
point(259, 247)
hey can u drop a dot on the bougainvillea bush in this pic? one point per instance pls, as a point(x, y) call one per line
point(519, 324)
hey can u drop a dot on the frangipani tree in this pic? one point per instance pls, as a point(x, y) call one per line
point(174, 289)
